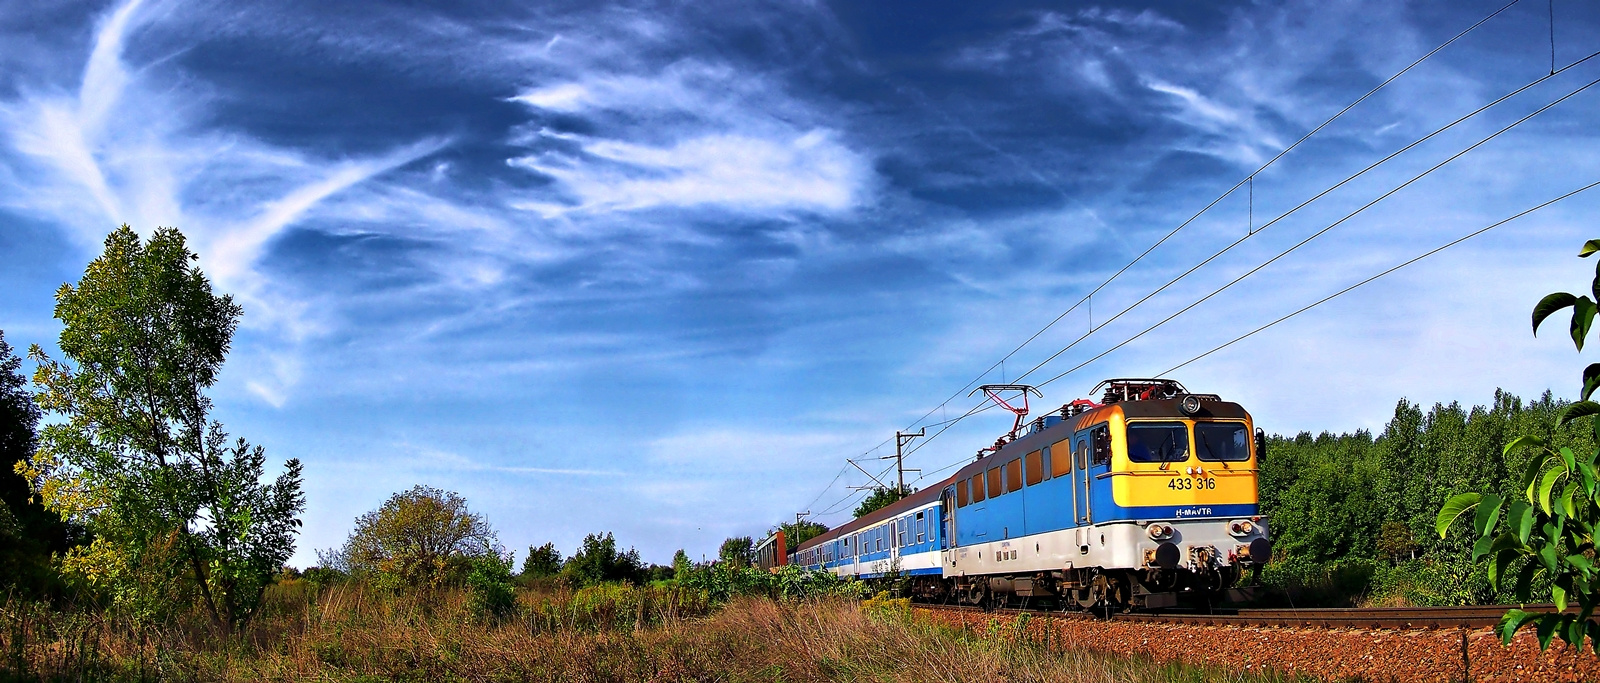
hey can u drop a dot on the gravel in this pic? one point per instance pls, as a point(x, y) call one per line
point(1401, 656)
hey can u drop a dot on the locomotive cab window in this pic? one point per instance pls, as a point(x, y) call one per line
point(1158, 441)
point(1222, 441)
point(1013, 475)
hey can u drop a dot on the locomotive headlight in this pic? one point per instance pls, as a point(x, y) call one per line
point(1159, 532)
point(1190, 405)
point(1240, 527)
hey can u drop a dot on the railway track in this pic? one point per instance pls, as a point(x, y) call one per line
point(1396, 618)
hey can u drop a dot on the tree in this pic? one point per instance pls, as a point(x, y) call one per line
point(796, 533)
point(1547, 535)
point(598, 561)
point(542, 561)
point(136, 456)
point(422, 536)
point(737, 551)
point(879, 498)
point(681, 564)
point(28, 532)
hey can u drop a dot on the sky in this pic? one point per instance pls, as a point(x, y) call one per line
point(658, 269)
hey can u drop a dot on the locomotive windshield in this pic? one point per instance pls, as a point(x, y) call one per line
point(1158, 441)
point(1222, 441)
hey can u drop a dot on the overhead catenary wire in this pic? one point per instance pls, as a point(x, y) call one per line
point(1296, 246)
point(1403, 264)
point(1247, 179)
point(1319, 233)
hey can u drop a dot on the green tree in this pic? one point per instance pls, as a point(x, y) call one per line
point(879, 498)
point(681, 564)
point(598, 561)
point(542, 561)
point(419, 537)
point(1546, 535)
point(795, 533)
point(737, 551)
point(136, 456)
point(29, 533)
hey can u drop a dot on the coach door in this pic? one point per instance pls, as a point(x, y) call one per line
point(1080, 481)
point(947, 515)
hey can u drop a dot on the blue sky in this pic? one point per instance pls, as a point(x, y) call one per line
point(659, 268)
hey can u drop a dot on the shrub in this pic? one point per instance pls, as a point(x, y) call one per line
point(489, 586)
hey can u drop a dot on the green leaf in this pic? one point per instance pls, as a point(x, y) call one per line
point(1568, 458)
point(1453, 508)
point(1524, 440)
point(1511, 622)
point(1481, 547)
point(1583, 563)
point(1547, 482)
point(1589, 247)
point(1525, 581)
point(1545, 627)
point(1583, 311)
point(1497, 568)
point(1488, 514)
point(1548, 557)
point(1591, 380)
point(1579, 409)
point(1589, 475)
point(1550, 304)
point(1520, 518)
point(1559, 597)
point(1564, 502)
point(1530, 477)
point(1572, 631)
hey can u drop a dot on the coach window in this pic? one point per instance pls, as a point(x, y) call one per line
point(977, 488)
point(922, 528)
point(994, 482)
point(1014, 475)
point(1061, 458)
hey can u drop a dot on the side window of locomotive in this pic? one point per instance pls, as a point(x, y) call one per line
point(1035, 467)
point(1013, 475)
point(977, 488)
point(1102, 445)
point(1221, 441)
point(1158, 441)
point(961, 493)
point(994, 482)
point(1061, 458)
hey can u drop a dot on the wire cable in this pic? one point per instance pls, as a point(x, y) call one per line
point(1424, 255)
point(1319, 233)
point(1247, 179)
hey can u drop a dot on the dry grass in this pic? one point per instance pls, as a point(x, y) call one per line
point(358, 635)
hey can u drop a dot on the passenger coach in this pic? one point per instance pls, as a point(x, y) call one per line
point(1141, 500)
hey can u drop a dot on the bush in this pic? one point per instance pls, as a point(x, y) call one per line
point(491, 593)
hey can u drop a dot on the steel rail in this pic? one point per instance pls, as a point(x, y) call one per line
point(1375, 618)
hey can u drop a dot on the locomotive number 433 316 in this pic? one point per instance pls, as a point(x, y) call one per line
point(1191, 483)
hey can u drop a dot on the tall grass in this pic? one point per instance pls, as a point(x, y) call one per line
point(608, 633)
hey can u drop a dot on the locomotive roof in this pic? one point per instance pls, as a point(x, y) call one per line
point(1029, 443)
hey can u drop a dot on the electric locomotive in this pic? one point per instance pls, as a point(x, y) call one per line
point(1142, 500)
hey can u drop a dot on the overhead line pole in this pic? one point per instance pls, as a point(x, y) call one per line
point(900, 441)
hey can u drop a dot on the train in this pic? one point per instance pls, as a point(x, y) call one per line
point(1145, 499)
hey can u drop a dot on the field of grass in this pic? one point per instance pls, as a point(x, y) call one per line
point(608, 633)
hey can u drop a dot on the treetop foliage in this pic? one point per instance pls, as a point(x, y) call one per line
point(421, 536)
point(29, 533)
point(597, 560)
point(738, 551)
point(795, 533)
point(136, 457)
point(880, 497)
point(542, 561)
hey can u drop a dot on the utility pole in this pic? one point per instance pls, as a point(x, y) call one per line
point(797, 517)
point(900, 441)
